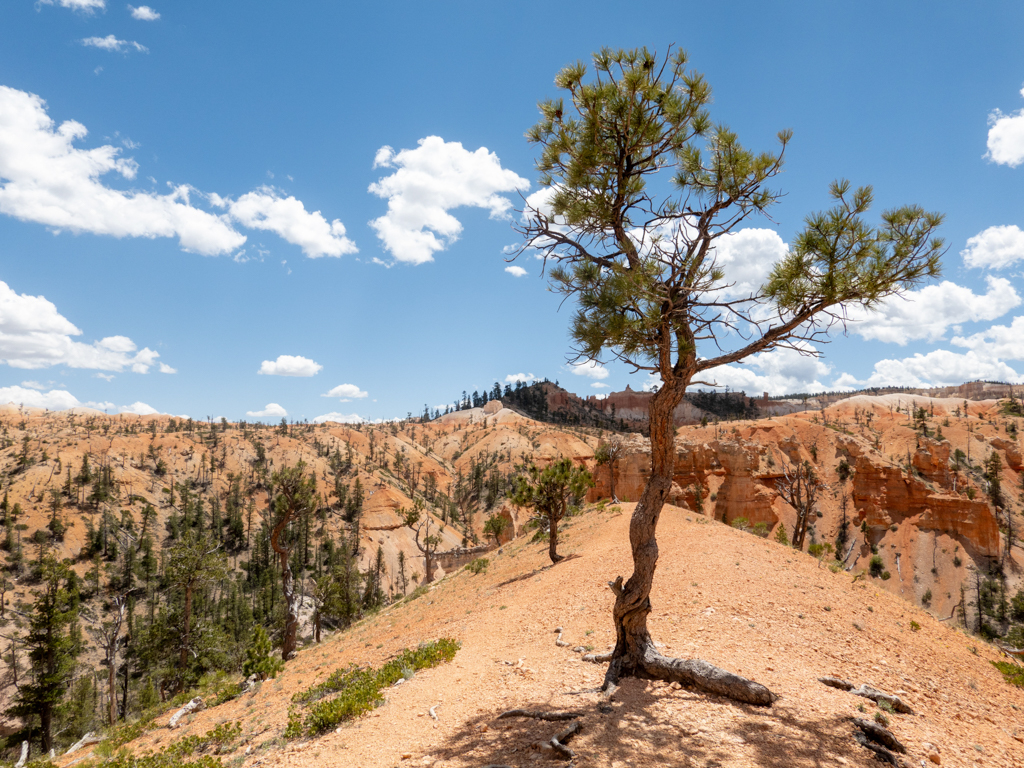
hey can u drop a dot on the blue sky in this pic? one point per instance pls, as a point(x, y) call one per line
point(190, 191)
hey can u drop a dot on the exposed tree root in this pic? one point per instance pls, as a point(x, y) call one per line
point(558, 742)
point(433, 714)
point(879, 735)
point(558, 640)
point(599, 658)
point(868, 692)
point(538, 714)
point(693, 673)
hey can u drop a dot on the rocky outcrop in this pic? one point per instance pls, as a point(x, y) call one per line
point(931, 460)
point(884, 495)
point(1011, 450)
point(741, 495)
point(694, 462)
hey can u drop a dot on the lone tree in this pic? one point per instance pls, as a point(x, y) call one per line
point(641, 263)
point(609, 453)
point(294, 500)
point(550, 492)
point(426, 542)
point(799, 487)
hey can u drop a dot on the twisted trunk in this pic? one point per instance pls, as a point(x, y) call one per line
point(291, 621)
point(635, 654)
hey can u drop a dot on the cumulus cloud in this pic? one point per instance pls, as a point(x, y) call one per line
point(747, 257)
point(600, 385)
point(995, 248)
point(526, 378)
point(111, 43)
point(288, 218)
point(998, 341)
point(86, 6)
point(55, 399)
point(1006, 137)
point(346, 392)
point(139, 408)
point(164, 368)
point(45, 178)
point(516, 271)
point(340, 418)
point(427, 183)
point(33, 334)
point(144, 13)
point(591, 369)
point(929, 312)
point(271, 411)
point(61, 399)
point(777, 372)
point(941, 367)
point(290, 365)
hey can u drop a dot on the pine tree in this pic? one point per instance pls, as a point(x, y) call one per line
point(52, 649)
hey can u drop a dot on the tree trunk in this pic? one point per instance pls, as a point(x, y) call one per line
point(611, 480)
point(553, 539)
point(112, 688)
point(635, 653)
point(183, 658)
point(291, 621)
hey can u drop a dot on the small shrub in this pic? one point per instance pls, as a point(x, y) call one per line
point(478, 566)
point(359, 690)
point(886, 575)
point(760, 530)
point(741, 524)
point(957, 561)
point(926, 598)
point(259, 660)
point(881, 719)
point(877, 567)
point(1012, 673)
point(780, 535)
point(915, 626)
point(885, 706)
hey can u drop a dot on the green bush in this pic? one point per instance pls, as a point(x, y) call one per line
point(358, 690)
point(1012, 673)
point(478, 566)
point(259, 660)
point(877, 566)
point(926, 598)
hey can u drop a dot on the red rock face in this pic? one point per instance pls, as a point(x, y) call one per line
point(741, 495)
point(1011, 450)
point(884, 495)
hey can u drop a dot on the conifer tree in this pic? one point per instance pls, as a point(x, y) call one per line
point(641, 265)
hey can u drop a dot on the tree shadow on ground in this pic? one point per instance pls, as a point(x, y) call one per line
point(536, 571)
point(652, 725)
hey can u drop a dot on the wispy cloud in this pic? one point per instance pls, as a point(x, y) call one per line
point(111, 43)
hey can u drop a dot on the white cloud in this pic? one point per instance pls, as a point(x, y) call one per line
point(600, 385)
point(290, 365)
point(591, 369)
point(61, 399)
point(34, 385)
point(144, 13)
point(340, 418)
point(995, 247)
point(516, 271)
point(939, 368)
point(106, 376)
point(271, 411)
point(998, 341)
point(138, 408)
point(33, 334)
point(428, 182)
point(44, 178)
point(111, 43)
point(287, 217)
point(929, 312)
point(86, 6)
point(652, 383)
point(48, 180)
point(777, 372)
point(346, 392)
point(55, 399)
point(526, 378)
point(1006, 137)
point(747, 257)
point(164, 368)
